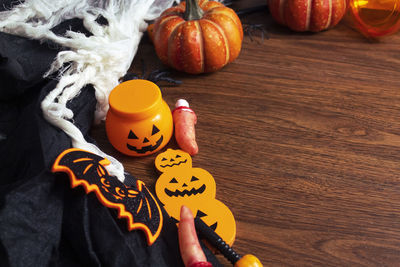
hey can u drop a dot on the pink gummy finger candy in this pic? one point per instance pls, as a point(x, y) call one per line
point(184, 121)
point(189, 245)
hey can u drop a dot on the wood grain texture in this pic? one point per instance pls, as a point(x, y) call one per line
point(302, 135)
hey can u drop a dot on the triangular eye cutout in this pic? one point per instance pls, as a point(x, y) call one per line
point(132, 135)
point(163, 159)
point(200, 214)
point(177, 156)
point(155, 130)
point(173, 181)
point(214, 226)
point(194, 179)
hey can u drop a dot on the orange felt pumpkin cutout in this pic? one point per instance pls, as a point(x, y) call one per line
point(197, 37)
point(173, 158)
point(180, 184)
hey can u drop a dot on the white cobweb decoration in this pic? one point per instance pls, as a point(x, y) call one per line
point(100, 59)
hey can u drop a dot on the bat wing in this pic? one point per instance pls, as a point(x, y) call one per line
point(134, 203)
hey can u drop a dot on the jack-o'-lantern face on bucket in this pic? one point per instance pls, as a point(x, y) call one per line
point(145, 144)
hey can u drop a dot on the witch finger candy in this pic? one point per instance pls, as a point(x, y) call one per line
point(191, 251)
point(184, 121)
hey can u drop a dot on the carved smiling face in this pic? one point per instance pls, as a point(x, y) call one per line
point(184, 188)
point(145, 144)
point(173, 159)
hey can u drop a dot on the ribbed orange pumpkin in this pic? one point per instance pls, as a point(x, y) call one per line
point(197, 37)
point(307, 15)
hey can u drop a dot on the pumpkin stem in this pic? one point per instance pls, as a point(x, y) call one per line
point(193, 10)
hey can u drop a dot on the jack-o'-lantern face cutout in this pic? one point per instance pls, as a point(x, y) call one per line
point(173, 159)
point(145, 144)
point(185, 188)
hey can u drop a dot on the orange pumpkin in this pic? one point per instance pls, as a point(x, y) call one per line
point(197, 37)
point(304, 15)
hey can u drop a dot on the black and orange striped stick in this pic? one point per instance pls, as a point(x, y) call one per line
point(215, 240)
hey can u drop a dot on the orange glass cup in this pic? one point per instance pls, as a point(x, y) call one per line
point(375, 18)
point(139, 122)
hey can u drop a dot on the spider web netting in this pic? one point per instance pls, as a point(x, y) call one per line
point(99, 59)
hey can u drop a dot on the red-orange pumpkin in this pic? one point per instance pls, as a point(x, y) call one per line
point(307, 15)
point(197, 37)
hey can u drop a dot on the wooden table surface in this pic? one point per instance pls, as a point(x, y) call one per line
point(302, 136)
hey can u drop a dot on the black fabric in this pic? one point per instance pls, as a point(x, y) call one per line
point(43, 222)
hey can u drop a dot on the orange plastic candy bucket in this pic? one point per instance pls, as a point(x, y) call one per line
point(139, 122)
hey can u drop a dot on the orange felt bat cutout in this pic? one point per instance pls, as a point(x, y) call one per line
point(134, 203)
